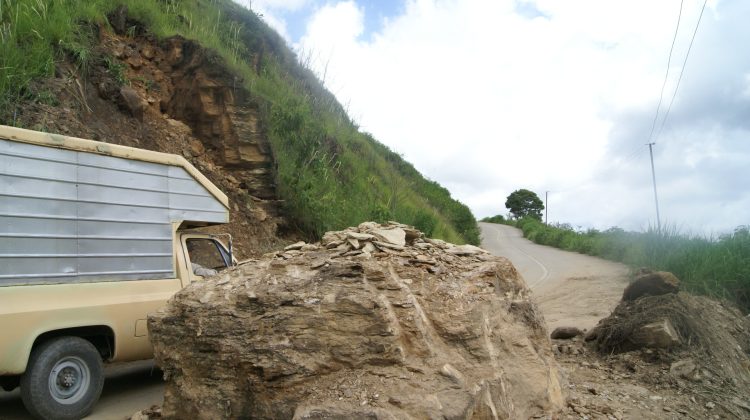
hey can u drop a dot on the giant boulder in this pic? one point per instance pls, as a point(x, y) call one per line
point(358, 328)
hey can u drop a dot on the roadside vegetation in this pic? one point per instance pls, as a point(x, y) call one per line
point(499, 219)
point(329, 174)
point(718, 267)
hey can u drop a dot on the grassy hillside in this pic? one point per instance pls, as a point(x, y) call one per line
point(713, 266)
point(329, 174)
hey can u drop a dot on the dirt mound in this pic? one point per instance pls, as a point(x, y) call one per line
point(704, 344)
point(373, 322)
point(699, 321)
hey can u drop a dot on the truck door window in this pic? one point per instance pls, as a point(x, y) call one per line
point(206, 257)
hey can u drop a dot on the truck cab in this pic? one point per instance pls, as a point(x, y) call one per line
point(93, 238)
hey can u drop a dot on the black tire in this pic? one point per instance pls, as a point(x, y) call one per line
point(63, 380)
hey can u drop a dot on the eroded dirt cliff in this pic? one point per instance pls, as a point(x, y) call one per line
point(171, 96)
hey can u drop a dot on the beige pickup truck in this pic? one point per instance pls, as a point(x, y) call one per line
point(93, 237)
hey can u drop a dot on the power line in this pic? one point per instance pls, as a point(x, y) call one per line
point(632, 156)
point(682, 71)
point(651, 143)
point(640, 151)
point(666, 74)
point(637, 153)
point(653, 177)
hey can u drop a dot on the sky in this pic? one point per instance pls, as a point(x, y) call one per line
point(559, 97)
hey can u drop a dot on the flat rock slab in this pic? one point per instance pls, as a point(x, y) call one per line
point(660, 334)
point(395, 235)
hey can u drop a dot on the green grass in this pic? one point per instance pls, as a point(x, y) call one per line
point(718, 267)
point(329, 176)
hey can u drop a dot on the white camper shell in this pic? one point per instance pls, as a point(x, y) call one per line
point(91, 241)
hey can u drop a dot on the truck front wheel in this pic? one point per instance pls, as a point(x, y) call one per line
point(63, 380)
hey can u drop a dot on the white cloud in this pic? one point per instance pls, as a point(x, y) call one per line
point(485, 100)
point(290, 5)
point(271, 11)
point(333, 29)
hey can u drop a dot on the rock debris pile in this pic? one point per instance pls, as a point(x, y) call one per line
point(373, 322)
point(682, 353)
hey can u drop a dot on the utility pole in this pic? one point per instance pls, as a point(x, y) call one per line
point(653, 177)
point(545, 206)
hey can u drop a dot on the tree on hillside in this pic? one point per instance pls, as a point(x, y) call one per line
point(523, 203)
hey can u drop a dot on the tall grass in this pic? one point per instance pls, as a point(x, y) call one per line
point(717, 267)
point(329, 175)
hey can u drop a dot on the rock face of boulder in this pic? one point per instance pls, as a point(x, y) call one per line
point(651, 283)
point(358, 326)
point(565, 333)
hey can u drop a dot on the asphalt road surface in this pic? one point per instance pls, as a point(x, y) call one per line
point(571, 289)
point(129, 387)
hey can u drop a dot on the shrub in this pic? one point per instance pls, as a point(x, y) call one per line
point(499, 219)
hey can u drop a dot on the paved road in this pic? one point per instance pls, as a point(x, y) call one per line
point(129, 387)
point(571, 289)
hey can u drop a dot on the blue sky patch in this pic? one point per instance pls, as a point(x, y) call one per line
point(529, 10)
point(375, 13)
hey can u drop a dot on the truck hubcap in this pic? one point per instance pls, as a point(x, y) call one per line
point(69, 380)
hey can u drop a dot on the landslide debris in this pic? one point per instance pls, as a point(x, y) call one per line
point(667, 353)
point(374, 322)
